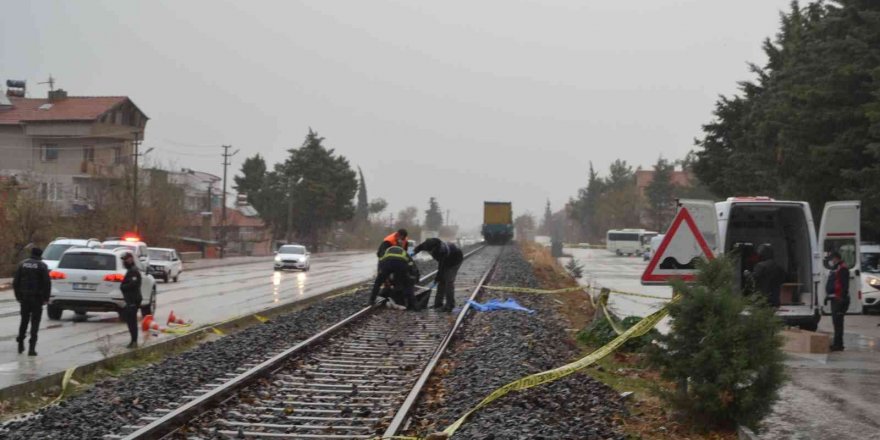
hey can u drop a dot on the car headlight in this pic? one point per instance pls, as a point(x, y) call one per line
point(874, 282)
point(278, 258)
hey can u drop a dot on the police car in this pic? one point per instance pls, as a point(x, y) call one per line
point(88, 279)
point(739, 225)
point(56, 248)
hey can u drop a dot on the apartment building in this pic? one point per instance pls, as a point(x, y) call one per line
point(65, 147)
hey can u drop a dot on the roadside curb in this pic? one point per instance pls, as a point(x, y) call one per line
point(53, 381)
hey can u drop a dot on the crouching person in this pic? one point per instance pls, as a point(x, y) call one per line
point(395, 267)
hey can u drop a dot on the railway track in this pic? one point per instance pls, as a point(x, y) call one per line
point(357, 379)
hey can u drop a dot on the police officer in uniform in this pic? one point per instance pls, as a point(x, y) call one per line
point(396, 266)
point(32, 287)
point(131, 291)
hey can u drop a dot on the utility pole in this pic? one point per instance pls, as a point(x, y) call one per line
point(226, 163)
point(134, 201)
point(134, 198)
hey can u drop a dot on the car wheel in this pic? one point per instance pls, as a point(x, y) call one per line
point(150, 308)
point(175, 277)
point(54, 312)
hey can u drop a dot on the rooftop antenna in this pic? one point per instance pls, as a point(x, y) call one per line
point(50, 81)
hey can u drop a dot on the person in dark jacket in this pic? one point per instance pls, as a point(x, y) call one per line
point(768, 275)
point(131, 291)
point(837, 292)
point(396, 267)
point(449, 258)
point(394, 239)
point(32, 287)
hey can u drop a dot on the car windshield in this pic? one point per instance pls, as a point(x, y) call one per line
point(88, 261)
point(160, 255)
point(295, 250)
point(54, 251)
point(871, 262)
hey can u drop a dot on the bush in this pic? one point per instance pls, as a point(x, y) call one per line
point(575, 268)
point(599, 333)
point(727, 347)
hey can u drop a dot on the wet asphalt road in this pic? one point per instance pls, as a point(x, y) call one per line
point(204, 296)
point(829, 396)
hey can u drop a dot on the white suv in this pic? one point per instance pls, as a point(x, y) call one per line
point(87, 280)
point(56, 248)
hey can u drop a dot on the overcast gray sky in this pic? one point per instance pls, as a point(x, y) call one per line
point(463, 100)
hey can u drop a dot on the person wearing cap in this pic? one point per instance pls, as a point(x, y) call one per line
point(837, 292)
point(449, 258)
point(131, 291)
point(32, 287)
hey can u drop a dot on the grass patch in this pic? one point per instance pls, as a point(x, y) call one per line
point(576, 307)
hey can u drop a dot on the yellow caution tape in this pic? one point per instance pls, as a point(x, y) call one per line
point(262, 319)
point(217, 331)
point(533, 380)
point(65, 382)
point(603, 302)
point(346, 292)
point(529, 290)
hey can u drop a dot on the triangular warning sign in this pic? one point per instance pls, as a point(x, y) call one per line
point(677, 254)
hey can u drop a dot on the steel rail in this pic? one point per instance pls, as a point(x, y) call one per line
point(402, 414)
point(177, 417)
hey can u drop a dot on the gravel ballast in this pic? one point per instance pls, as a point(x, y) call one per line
point(115, 402)
point(499, 347)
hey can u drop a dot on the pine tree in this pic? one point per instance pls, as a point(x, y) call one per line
point(362, 210)
point(433, 216)
point(320, 187)
point(723, 349)
point(547, 222)
point(661, 195)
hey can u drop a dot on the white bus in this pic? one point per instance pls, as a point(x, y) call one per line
point(628, 241)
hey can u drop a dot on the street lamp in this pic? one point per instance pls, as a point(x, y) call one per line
point(290, 208)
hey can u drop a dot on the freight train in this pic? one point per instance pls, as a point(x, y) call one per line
point(497, 222)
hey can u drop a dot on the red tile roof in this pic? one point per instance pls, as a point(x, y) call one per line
point(73, 108)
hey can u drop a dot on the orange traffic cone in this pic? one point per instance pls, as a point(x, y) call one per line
point(176, 320)
point(149, 324)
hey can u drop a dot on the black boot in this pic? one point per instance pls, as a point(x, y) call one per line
point(20, 345)
point(33, 349)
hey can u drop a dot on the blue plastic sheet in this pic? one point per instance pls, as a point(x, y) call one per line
point(495, 304)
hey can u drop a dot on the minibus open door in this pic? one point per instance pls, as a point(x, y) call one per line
point(840, 231)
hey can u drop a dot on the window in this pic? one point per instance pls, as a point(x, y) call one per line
point(50, 191)
point(49, 153)
point(622, 236)
point(88, 261)
point(89, 154)
point(117, 155)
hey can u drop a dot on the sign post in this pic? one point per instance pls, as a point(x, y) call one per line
point(677, 255)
